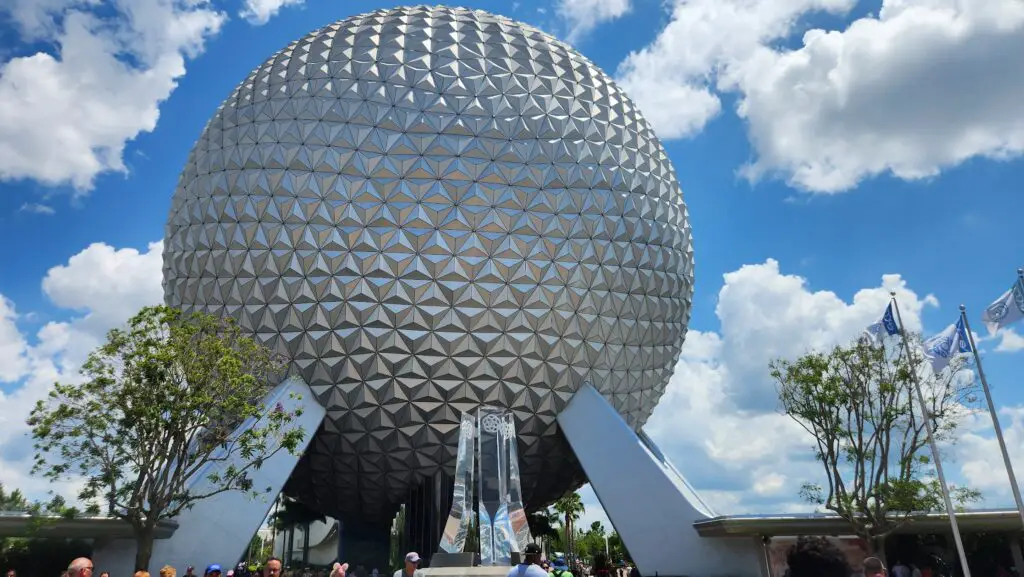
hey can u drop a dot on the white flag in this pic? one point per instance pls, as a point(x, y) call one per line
point(941, 348)
point(1006, 310)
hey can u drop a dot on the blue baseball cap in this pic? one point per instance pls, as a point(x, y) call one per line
point(213, 569)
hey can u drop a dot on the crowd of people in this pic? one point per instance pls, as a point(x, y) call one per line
point(820, 557)
point(809, 557)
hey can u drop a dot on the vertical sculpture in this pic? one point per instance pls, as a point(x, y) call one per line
point(455, 530)
point(501, 516)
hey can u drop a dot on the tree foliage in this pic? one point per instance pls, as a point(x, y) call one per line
point(859, 404)
point(293, 513)
point(542, 523)
point(33, 555)
point(156, 413)
point(570, 507)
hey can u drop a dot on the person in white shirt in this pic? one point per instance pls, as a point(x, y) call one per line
point(412, 563)
point(530, 567)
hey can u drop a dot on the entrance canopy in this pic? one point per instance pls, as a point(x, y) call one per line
point(996, 520)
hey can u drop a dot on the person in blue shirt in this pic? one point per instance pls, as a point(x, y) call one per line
point(559, 568)
point(530, 567)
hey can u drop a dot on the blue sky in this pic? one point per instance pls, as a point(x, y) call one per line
point(829, 151)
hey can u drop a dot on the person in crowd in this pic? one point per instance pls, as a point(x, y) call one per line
point(559, 568)
point(168, 571)
point(816, 557)
point(412, 564)
point(105, 574)
point(141, 574)
point(81, 567)
point(900, 569)
point(914, 571)
point(530, 565)
point(272, 568)
point(190, 571)
point(213, 570)
point(12, 573)
point(873, 567)
point(339, 570)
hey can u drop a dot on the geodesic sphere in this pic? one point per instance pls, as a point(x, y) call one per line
point(428, 210)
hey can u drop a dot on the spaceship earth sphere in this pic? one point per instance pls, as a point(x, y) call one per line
point(426, 210)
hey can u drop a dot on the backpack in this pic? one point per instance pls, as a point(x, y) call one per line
point(558, 572)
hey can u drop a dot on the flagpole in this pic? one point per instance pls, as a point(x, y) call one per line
point(992, 411)
point(929, 427)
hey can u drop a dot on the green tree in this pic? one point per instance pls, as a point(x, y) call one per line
point(617, 548)
point(859, 404)
point(570, 507)
point(542, 525)
point(591, 541)
point(13, 501)
point(157, 409)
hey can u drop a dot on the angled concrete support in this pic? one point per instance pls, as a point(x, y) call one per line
point(648, 501)
point(219, 529)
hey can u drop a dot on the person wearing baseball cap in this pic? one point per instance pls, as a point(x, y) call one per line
point(530, 566)
point(212, 571)
point(411, 569)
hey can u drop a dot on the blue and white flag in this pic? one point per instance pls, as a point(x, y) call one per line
point(941, 348)
point(1006, 310)
point(886, 324)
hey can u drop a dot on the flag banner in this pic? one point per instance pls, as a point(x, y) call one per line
point(1006, 310)
point(886, 325)
point(941, 348)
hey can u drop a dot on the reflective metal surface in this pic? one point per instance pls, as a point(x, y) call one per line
point(427, 210)
point(456, 529)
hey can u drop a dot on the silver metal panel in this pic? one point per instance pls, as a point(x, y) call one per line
point(430, 209)
point(653, 512)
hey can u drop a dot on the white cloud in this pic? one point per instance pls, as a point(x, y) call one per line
point(924, 85)
point(104, 286)
point(37, 208)
point(13, 347)
point(981, 462)
point(66, 115)
point(671, 79)
point(718, 420)
point(582, 16)
point(1010, 341)
point(259, 12)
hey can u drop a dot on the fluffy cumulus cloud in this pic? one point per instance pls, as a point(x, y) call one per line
point(919, 86)
point(582, 16)
point(102, 287)
point(981, 460)
point(67, 112)
point(719, 420)
point(260, 12)
point(1010, 341)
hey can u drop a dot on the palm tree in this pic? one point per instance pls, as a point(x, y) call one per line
point(542, 526)
point(571, 506)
